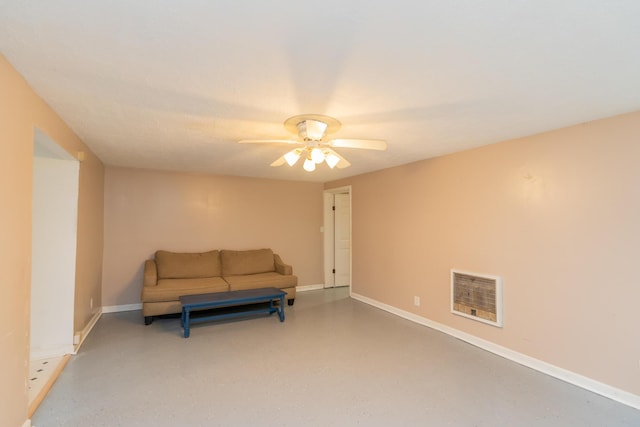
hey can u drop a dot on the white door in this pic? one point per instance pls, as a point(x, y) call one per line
point(342, 242)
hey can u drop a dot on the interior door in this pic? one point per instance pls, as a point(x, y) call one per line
point(342, 242)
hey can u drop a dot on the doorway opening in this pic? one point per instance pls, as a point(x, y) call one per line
point(53, 260)
point(337, 237)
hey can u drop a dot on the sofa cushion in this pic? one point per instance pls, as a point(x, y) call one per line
point(261, 280)
point(172, 289)
point(246, 262)
point(172, 265)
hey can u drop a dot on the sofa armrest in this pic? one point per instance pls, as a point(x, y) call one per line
point(150, 273)
point(281, 267)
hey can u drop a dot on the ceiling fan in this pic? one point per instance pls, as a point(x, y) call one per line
point(312, 130)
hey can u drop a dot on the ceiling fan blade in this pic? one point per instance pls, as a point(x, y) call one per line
point(367, 144)
point(268, 141)
point(343, 163)
point(281, 161)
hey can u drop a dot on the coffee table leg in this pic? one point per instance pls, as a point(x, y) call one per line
point(186, 320)
point(281, 309)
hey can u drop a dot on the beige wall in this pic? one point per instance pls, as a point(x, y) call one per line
point(557, 215)
point(90, 241)
point(21, 110)
point(150, 210)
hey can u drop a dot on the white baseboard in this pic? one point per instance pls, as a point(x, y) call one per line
point(85, 332)
point(50, 352)
point(586, 383)
point(119, 308)
point(309, 288)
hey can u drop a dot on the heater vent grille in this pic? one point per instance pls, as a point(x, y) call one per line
point(477, 296)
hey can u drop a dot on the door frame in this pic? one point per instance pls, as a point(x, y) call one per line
point(329, 234)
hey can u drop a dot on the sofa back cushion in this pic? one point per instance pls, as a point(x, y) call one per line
point(255, 261)
point(172, 265)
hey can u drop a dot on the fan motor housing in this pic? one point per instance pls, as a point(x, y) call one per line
point(294, 124)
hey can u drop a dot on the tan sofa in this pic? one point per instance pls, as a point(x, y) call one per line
point(170, 275)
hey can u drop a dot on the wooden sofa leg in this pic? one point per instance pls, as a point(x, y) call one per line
point(148, 320)
point(291, 301)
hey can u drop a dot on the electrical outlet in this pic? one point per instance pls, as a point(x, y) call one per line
point(416, 301)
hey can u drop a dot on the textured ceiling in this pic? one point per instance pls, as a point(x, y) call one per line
point(173, 85)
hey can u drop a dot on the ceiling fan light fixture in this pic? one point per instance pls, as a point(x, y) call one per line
point(332, 160)
point(309, 165)
point(292, 157)
point(312, 129)
point(317, 155)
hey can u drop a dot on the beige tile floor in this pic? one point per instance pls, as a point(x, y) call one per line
point(333, 362)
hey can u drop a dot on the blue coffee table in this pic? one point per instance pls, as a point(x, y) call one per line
point(227, 299)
